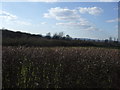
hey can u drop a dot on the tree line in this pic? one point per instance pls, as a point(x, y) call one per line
point(11, 38)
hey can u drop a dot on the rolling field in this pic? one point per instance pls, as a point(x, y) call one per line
point(60, 67)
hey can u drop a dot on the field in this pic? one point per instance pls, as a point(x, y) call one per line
point(60, 67)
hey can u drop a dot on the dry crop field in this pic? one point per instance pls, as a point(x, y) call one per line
point(60, 67)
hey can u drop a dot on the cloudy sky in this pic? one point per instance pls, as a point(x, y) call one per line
point(98, 20)
point(60, 0)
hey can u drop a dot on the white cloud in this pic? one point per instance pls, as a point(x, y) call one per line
point(43, 23)
point(79, 25)
point(91, 10)
point(61, 14)
point(22, 23)
point(8, 18)
point(113, 20)
point(69, 18)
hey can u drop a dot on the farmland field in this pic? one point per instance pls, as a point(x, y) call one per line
point(60, 67)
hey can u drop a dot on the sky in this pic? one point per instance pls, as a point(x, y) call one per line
point(96, 20)
point(59, 0)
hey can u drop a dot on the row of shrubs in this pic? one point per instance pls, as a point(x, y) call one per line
point(43, 42)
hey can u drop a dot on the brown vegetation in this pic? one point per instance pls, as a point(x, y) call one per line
point(72, 67)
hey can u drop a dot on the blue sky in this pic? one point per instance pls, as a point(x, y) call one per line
point(98, 20)
point(59, 0)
